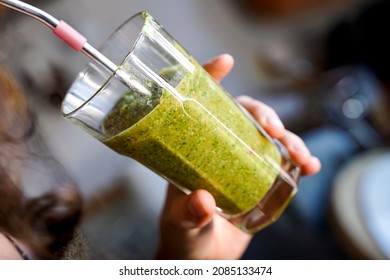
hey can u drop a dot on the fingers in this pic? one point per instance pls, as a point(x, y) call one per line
point(220, 66)
point(270, 121)
point(190, 211)
point(264, 114)
point(300, 154)
point(313, 166)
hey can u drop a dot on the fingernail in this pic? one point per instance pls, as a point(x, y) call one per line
point(245, 99)
point(214, 59)
point(296, 148)
point(274, 122)
point(196, 209)
point(197, 212)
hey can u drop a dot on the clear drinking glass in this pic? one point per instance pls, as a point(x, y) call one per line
point(172, 117)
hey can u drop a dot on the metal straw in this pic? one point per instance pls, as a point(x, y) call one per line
point(70, 36)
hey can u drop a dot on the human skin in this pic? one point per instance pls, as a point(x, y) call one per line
point(7, 250)
point(190, 227)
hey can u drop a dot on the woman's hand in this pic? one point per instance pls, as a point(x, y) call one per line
point(190, 228)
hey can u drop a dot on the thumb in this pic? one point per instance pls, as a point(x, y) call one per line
point(220, 66)
point(190, 211)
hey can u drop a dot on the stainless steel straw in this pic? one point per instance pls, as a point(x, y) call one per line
point(70, 36)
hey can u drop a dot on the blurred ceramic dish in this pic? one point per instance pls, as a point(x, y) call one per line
point(357, 206)
point(374, 200)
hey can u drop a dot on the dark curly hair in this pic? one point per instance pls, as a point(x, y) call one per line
point(44, 220)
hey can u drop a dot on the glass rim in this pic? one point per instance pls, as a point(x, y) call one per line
point(145, 15)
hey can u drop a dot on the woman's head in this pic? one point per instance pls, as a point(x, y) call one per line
point(46, 222)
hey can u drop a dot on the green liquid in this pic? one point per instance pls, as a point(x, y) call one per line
point(182, 141)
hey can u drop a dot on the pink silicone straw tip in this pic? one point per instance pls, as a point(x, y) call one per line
point(70, 36)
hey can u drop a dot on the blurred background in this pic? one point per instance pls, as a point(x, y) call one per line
point(322, 65)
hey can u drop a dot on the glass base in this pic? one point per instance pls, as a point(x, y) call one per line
point(270, 207)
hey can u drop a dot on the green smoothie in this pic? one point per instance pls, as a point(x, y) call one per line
point(198, 141)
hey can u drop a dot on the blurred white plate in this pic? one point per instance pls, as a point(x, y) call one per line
point(355, 210)
point(374, 201)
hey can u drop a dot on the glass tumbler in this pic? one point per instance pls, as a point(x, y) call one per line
point(171, 116)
